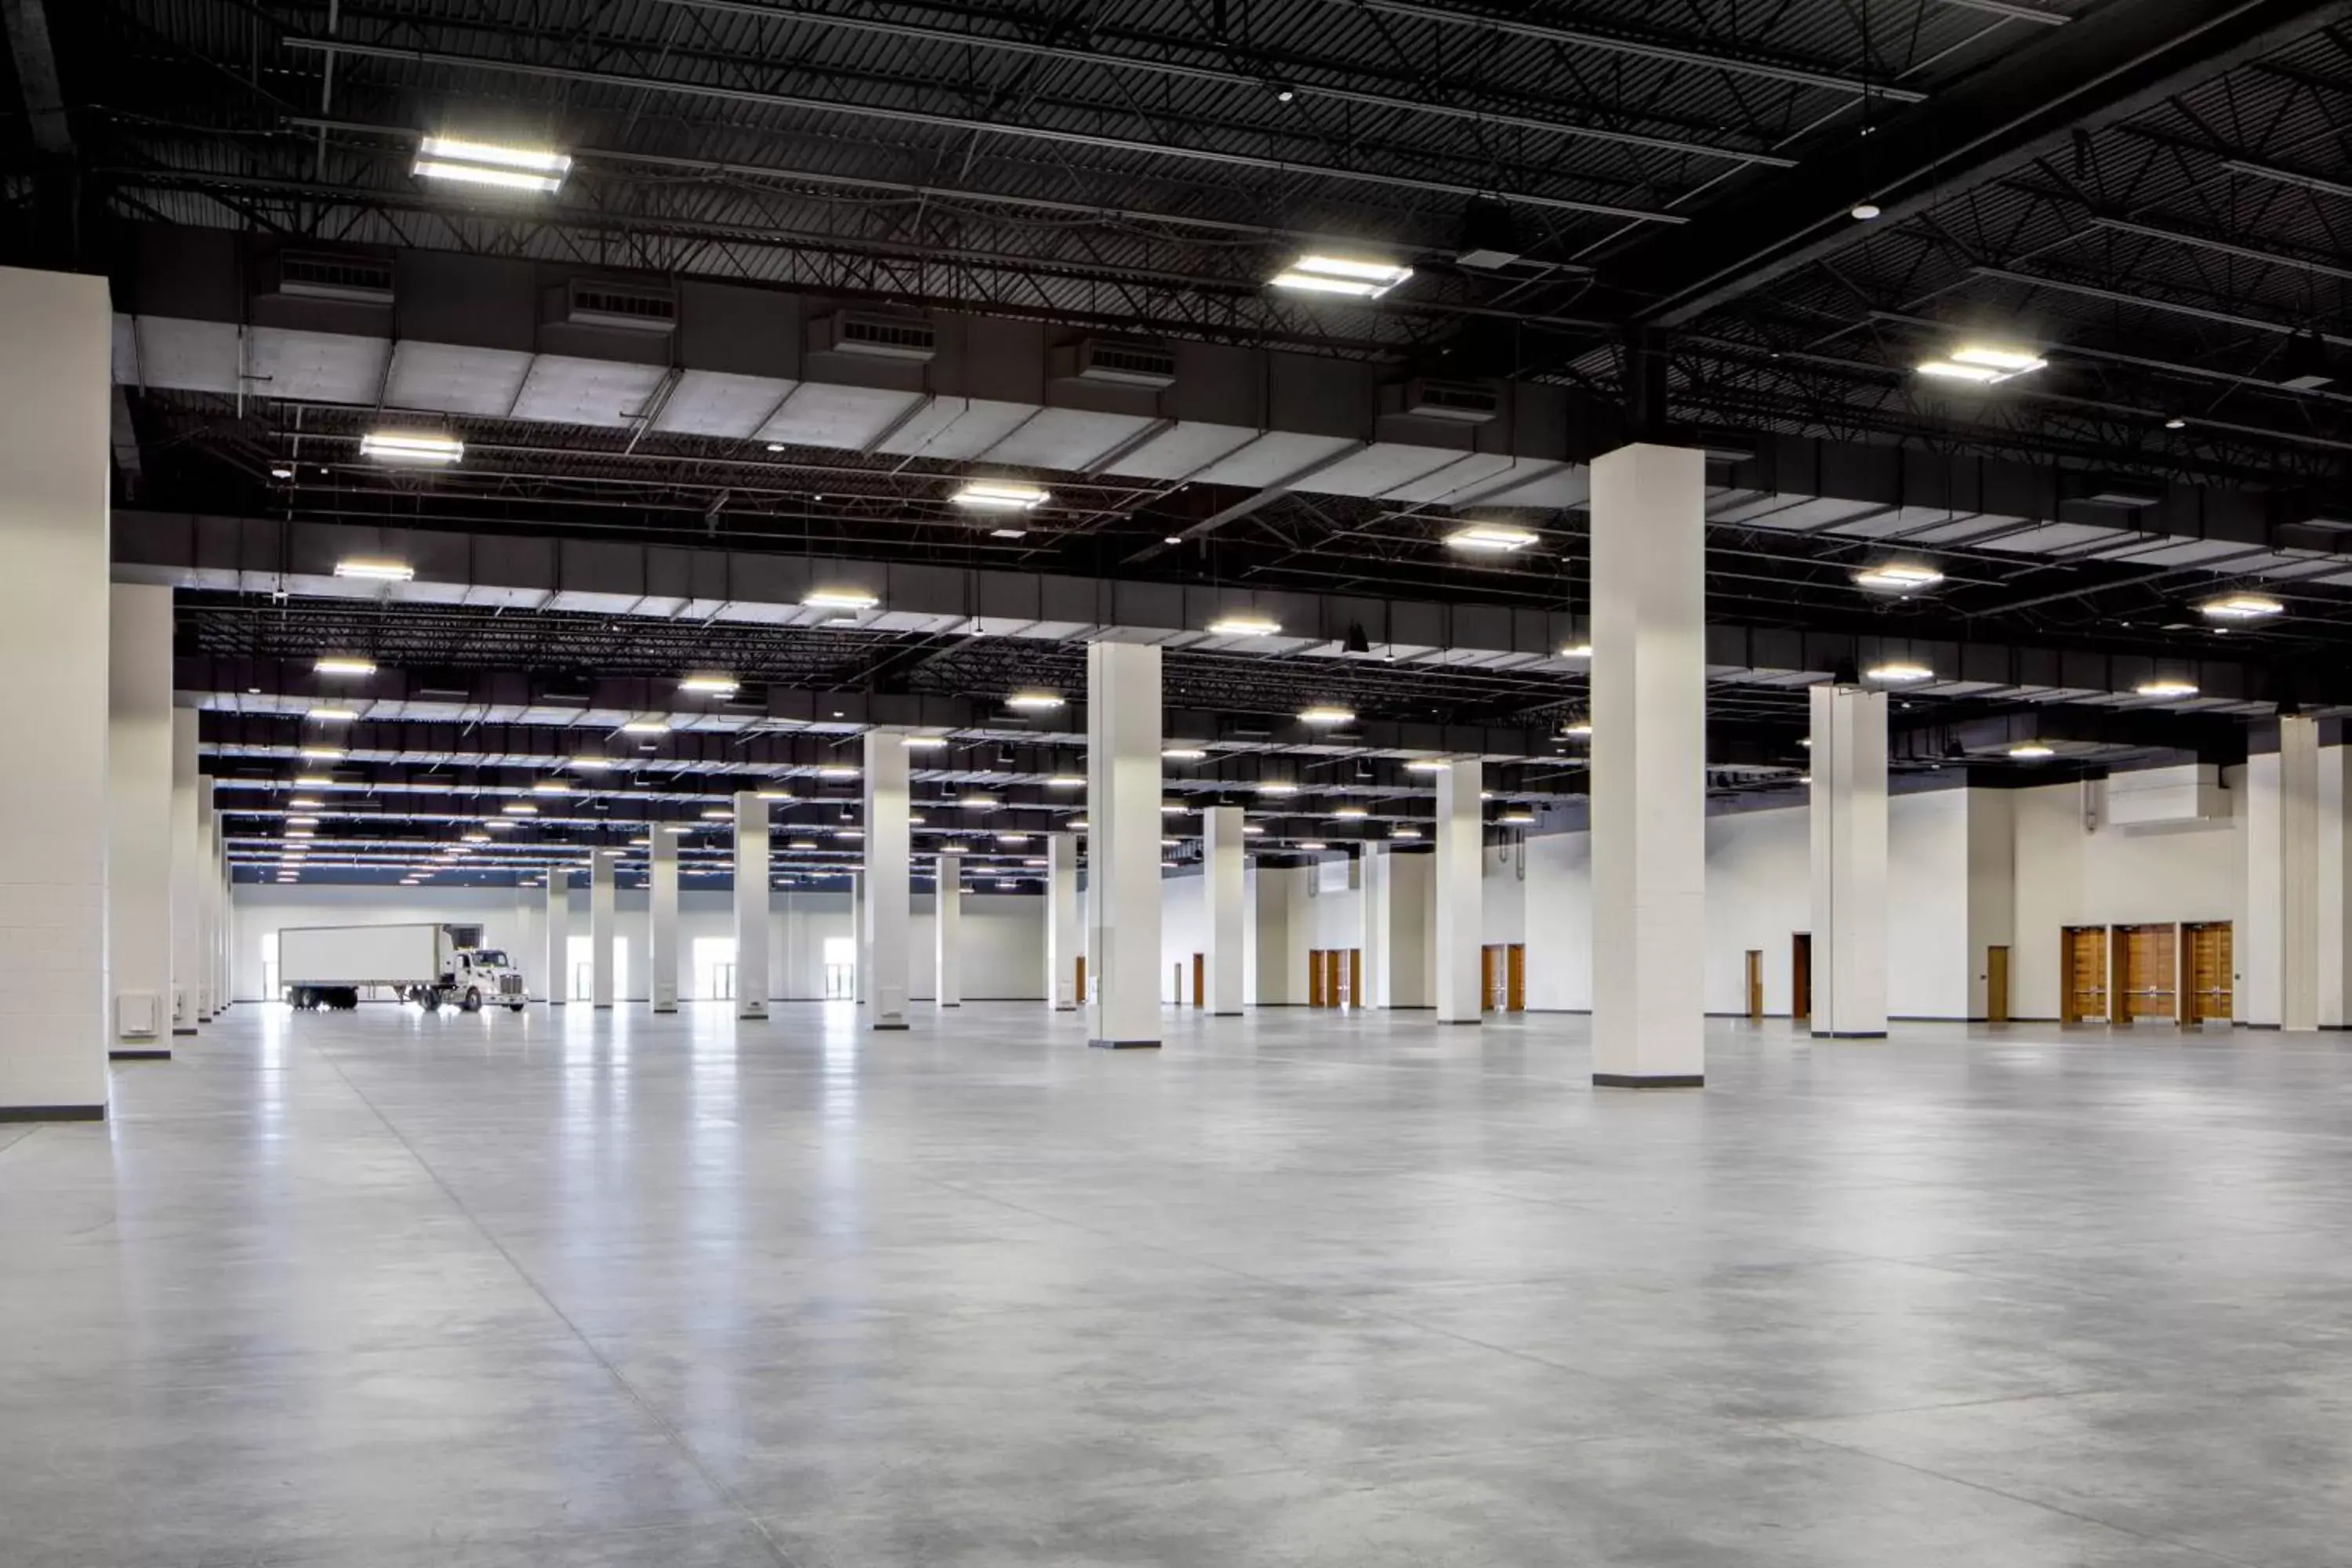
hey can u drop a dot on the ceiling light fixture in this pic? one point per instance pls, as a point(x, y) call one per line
point(411, 447)
point(647, 726)
point(315, 780)
point(924, 743)
point(709, 685)
point(1245, 623)
point(375, 569)
point(325, 715)
point(772, 793)
point(1182, 754)
point(519, 808)
point(1404, 833)
point(836, 771)
point(488, 164)
point(1576, 651)
point(2031, 751)
point(1578, 729)
point(1517, 816)
point(1897, 576)
point(589, 765)
point(1350, 812)
point(1001, 495)
point(976, 801)
point(338, 664)
point(1067, 781)
point(322, 754)
point(1276, 786)
point(1310, 845)
point(1862, 212)
point(1327, 715)
point(1035, 701)
point(839, 599)
point(2241, 607)
point(1491, 538)
point(1898, 673)
point(1986, 364)
point(1353, 277)
point(553, 786)
point(2166, 685)
point(1427, 765)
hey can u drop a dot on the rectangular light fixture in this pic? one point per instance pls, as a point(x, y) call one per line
point(489, 163)
point(2166, 685)
point(836, 771)
point(375, 569)
point(1899, 672)
point(1001, 495)
point(2241, 607)
point(337, 664)
point(1986, 364)
point(924, 743)
point(553, 786)
point(1067, 781)
point(323, 715)
point(709, 685)
point(839, 599)
point(519, 808)
point(1404, 833)
point(1350, 812)
point(411, 447)
point(773, 793)
point(1179, 754)
point(1245, 623)
point(1326, 715)
point(314, 781)
point(1427, 765)
point(1276, 786)
point(589, 765)
point(1491, 538)
point(1899, 577)
point(1353, 277)
point(1034, 702)
point(718, 813)
point(1576, 650)
point(646, 727)
point(322, 754)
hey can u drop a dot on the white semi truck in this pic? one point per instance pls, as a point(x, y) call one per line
point(432, 965)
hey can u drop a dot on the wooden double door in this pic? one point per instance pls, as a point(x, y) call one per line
point(1334, 977)
point(1503, 977)
point(2177, 973)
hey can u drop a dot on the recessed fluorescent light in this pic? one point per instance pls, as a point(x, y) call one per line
point(2241, 606)
point(519, 808)
point(477, 838)
point(1986, 364)
point(2031, 751)
point(1898, 672)
point(1076, 825)
point(1581, 728)
point(645, 727)
point(1253, 829)
point(323, 715)
point(2166, 686)
point(839, 599)
point(1899, 577)
point(314, 781)
point(589, 765)
point(1354, 277)
point(301, 822)
point(1517, 816)
point(1349, 811)
point(1494, 537)
point(849, 832)
point(1327, 715)
point(411, 447)
point(772, 793)
point(955, 848)
point(1310, 844)
point(300, 833)
point(1001, 495)
point(1427, 765)
point(1404, 833)
point(1067, 781)
point(718, 813)
point(376, 568)
point(1182, 754)
point(322, 754)
point(836, 771)
point(338, 663)
point(1276, 786)
point(801, 844)
point(924, 743)
point(498, 825)
point(1576, 651)
point(1244, 625)
point(489, 163)
point(977, 801)
point(709, 685)
point(553, 786)
point(1035, 701)
point(303, 803)
point(1173, 808)
point(680, 832)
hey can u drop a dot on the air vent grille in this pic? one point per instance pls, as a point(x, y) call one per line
point(1126, 363)
point(877, 337)
point(629, 306)
point(1458, 402)
point(354, 279)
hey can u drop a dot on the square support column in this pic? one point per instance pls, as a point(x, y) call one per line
point(661, 917)
point(208, 901)
point(752, 905)
point(54, 475)
point(558, 936)
point(139, 819)
point(862, 958)
point(1461, 848)
point(187, 876)
point(1649, 766)
point(602, 927)
point(1378, 873)
point(1065, 941)
point(889, 848)
point(2280, 956)
point(946, 923)
point(1123, 787)
point(1222, 843)
point(1849, 848)
point(224, 927)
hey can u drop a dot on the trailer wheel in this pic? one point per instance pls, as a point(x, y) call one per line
point(473, 1003)
point(430, 996)
point(305, 998)
point(346, 999)
point(514, 1007)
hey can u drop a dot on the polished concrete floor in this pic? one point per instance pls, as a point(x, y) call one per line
point(394, 1290)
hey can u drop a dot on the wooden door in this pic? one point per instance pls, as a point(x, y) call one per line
point(2082, 973)
point(1200, 976)
point(1515, 978)
point(1756, 983)
point(2208, 992)
point(1486, 979)
point(1315, 979)
point(1800, 977)
point(1082, 980)
point(1996, 985)
point(1355, 977)
point(2146, 974)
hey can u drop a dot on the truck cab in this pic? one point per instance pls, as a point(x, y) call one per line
point(478, 978)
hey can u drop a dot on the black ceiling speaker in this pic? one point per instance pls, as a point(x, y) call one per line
point(1845, 672)
point(1355, 641)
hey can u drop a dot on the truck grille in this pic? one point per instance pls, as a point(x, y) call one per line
point(509, 985)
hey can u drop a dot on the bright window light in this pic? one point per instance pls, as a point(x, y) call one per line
point(1244, 625)
point(839, 599)
point(336, 664)
point(375, 569)
point(1182, 754)
point(1492, 538)
point(1034, 702)
point(330, 715)
point(1898, 673)
point(709, 685)
point(2031, 751)
point(2166, 686)
point(1354, 277)
point(1001, 495)
point(411, 447)
point(1897, 576)
point(1326, 715)
point(2241, 607)
point(489, 163)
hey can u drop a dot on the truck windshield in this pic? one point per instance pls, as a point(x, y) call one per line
point(490, 957)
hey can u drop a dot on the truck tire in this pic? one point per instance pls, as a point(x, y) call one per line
point(473, 1003)
point(430, 997)
point(514, 1007)
point(346, 999)
point(305, 998)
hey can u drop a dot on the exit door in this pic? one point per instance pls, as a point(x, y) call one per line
point(1800, 977)
point(1996, 985)
point(1755, 984)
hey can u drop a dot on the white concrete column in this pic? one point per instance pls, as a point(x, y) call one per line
point(225, 928)
point(2279, 956)
point(661, 914)
point(1849, 877)
point(889, 846)
point(752, 901)
point(187, 876)
point(1221, 843)
point(863, 961)
point(208, 901)
point(602, 928)
point(558, 936)
point(1123, 900)
point(1064, 941)
point(1378, 880)
point(1649, 765)
point(1461, 849)
point(947, 930)
point(139, 818)
point(54, 474)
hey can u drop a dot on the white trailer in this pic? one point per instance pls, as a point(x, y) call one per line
point(331, 966)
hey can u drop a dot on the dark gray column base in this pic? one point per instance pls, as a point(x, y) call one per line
point(950, 1004)
point(138, 1053)
point(881, 1028)
point(1124, 1045)
point(1473, 1022)
point(189, 1031)
point(52, 1113)
point(1849, 1034)
point(1235, 1013)
point(1649, 1081)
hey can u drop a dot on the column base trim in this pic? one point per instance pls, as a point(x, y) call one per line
point(52, 1113)
point(2271, 1027)
point(1073, 1007)
point(138, 1053)
point(1849, 1034)
point(189, 1031)
point(1649, 1081)
point(1225, 1013)
point(1474, 1022)
point(950, 1004)
point(892, 1028)
point(1123, 1045)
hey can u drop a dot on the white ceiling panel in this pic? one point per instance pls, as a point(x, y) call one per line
point(449, 379)
point(1963, 531)
point(1800, 514)
point(845, 417)
point(317, 367)
point(2051, 537)
point(2172, 553)
point(1271, 458)
point(1067, 439)
point(1877, 525)
point(126, 350)
point(187, 356)
point(1536, 483)
point(1378, 469)
point(1181, 451)
point(719, 403)
point(1457, 483)
point(563, 390)
point(956, 429)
